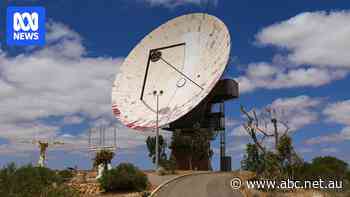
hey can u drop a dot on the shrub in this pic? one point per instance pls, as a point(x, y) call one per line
point(124, 177)
point(328, 168)
point(347, 181)
point(66, 174)
point(252, 160)
point(27, 181)
point(331, 167)
point(162, 171)
point(168, 166)
point(59, 191)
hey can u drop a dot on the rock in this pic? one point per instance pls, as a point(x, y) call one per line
point(86, 188)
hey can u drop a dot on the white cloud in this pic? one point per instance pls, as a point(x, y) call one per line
point(238, 131)
point(316, 38)
point(332, 138)
point(338, 113)
point(329, 150)
point(317, 45)
point(72, 120)
point(17, 149)
point(304, 150)
point(236, 148)
point(27, 131)
point(60, 81)
point(125, 139)
point(22, 140)
point(232, 148)
point(56, 80)
point(230, 122)
point(268, 76)
point(174, 3)
point(297, 112)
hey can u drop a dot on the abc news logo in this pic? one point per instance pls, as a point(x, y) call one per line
point(29, 29)
point(25, 26)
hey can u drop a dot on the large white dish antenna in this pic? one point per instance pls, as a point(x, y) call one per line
point(184, 58)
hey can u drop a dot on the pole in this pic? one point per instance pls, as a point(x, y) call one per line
point(157, 134)
point(222, 136)
point(115, 137)
point(100, 133)
point(89, 137)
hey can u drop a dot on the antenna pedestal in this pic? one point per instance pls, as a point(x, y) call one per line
point(201, 117)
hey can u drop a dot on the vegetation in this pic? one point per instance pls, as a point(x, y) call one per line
point(151, 146)
point(270, 166)
point(125, 177)
point(29, 181)
point(190, 148)
point(279, 161)
point(252, 161)
point(168, 165)
point(66, 174)
point(194, 147)
point(103, 157)
point(59, 191)
point(326, 168)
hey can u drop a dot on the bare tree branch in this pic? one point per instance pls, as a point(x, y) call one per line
point(285, 124)
point(252, 129)
point(252, 126)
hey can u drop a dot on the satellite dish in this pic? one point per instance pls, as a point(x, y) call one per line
point(183, 59)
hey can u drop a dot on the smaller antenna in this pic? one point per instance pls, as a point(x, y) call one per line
point(43, 145)
point(102, 138)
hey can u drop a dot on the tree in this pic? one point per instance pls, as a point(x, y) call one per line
point(193, 148)
point(251, 160)
point(281, 159)
point(347, 175)
point(151, 146)
point(325, 168)
point(330, 167)
point(103, 157)
point(181, 145)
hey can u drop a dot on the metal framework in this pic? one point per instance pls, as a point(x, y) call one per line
point(43, 146)
point(98, 140)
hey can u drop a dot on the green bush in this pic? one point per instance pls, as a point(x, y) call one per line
point(328, 168)
point(66, 174)
point(169, 166)
point(124, 177)
point(59, 191)
point(28, 181)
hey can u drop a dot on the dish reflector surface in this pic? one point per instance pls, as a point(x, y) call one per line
point(192, 54)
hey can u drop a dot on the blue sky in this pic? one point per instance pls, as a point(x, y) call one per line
point(291, 55)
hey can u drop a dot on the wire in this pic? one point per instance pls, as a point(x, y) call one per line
point(173, 67)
